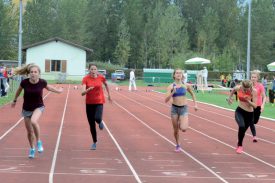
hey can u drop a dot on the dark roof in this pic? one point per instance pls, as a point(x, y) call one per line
point(57, 39)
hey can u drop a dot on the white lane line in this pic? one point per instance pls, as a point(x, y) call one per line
point(58, 139)
point(217, 140)
point(211, 121)
point(17, 123)
point(189, 155)
point(123, 155)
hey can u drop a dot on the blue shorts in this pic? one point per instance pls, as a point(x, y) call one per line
point(28, 114)
point(179, 110)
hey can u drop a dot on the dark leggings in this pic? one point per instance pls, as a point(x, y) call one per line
point(257, 113)
point(244, 120)
point(94, 114)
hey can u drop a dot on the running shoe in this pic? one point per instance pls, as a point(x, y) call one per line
point(239, 150)
point(40, 148)
point(255, 139)
point(101, 125)
point(177, 148)
point(32, 153)
point(93, 147)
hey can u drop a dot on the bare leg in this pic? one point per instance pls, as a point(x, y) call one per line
point(183, 123)
point(30, 131)
point(34, 121)
point(175, 119)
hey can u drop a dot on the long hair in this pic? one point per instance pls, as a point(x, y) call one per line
point(25, 70)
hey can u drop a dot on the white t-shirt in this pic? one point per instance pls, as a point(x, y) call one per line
point(132, 75)
point(204, 73)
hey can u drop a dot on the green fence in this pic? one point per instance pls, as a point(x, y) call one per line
point(158, 75)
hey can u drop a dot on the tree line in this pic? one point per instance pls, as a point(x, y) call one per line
point(151, 34)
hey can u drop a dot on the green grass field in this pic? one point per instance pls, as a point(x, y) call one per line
point(216, 97)
point(219, 98)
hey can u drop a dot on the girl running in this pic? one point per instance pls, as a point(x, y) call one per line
point(92, 88)
point(244, 113)
point(261, 98)
point(179, 110)
point(33, 105)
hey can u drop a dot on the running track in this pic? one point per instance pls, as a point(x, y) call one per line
point(136, 145)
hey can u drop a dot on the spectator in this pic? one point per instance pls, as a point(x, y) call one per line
point(132, 80)
point(273, 83)
point(222, 79)
point(2, 86)
point(264, 82)
point(229, 80)
point(204, 76)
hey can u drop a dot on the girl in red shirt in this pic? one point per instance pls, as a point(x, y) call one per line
point(33, 105)
point(244, 114)
point(92, 88)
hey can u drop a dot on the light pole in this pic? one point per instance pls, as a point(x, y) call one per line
point(248, 41)
point(20, 34)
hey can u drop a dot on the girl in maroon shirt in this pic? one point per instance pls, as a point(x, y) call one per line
point(33, 105)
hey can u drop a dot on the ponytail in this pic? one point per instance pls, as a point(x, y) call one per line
point(25, 70)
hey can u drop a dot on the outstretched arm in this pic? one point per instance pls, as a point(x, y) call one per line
point(54, 89)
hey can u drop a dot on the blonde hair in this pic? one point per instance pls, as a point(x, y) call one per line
point(25, 70)
point(257, 73)
point(247, 84)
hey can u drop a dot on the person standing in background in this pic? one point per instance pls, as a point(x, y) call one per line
point(204, 77)
point(229, 80)
point(185, 77)
point(132, 80)
point(264, 82)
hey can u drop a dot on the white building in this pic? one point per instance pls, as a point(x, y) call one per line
point(57, 57)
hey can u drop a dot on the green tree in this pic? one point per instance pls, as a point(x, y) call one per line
point(8, 31)
point(122, 51)
point(70, 21)
point(171, 35)
point(39, 21)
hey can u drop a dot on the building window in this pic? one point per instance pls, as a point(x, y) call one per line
point(56, 65)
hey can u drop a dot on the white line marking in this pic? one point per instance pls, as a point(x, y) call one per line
point(217, 140)
point(58, 139)
point(190, 156)
point(211, 121)
point(123, 155)
point(17, 123)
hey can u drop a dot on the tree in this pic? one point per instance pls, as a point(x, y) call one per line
point(122, 51)
point(8, 31)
